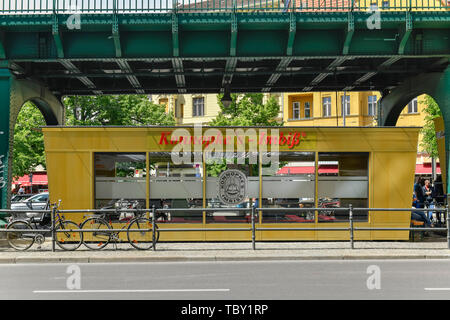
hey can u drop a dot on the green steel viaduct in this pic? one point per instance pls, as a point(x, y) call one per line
point(53, 48)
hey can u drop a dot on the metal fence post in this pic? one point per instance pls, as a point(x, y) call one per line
point(253, 228)
point(53, 211)
point(350, 214)
point(154, 227)
point(448, 226)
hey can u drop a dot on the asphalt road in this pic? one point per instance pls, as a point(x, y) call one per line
point(265, 280)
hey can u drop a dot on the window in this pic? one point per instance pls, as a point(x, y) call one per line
point(412, 106)
point(176, 186)
point(246, 164)
point(119, 177)
point(198, 107)
point(372, 105)
point(326, 105)
point(343, 180)
point(296, 110)
point(385, 5)
point(345, 103)
point(164, 101)
point(289, 182)
point(307, 110)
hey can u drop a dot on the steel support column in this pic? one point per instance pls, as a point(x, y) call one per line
point(5, 88)
point(13, 94)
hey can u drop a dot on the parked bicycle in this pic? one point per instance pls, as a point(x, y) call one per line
point(132, 220)
point(27, 235)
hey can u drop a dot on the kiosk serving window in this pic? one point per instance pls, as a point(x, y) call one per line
point(176, 186)
point(232, 182)
point(343, 180)
point(120, 180)
point(289, 182)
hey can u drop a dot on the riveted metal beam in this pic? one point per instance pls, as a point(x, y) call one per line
point(178, 69)
point(281, 68)
point(292, 32)
point(2, 45)
point(116, 36)
point(57, 37)
point(389, 62)
point(230, 68)
point(125, 67)
point(405, 32)
point(233, 38)
point(330, 69)
point(175, 36)
point(85, 80)
point(349, 33)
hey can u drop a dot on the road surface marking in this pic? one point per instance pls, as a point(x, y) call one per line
point(131, 291)
point(437, 289)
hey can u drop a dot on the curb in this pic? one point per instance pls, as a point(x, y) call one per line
point(86, 259)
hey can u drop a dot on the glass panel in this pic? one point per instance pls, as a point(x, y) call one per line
point(296, 110)
point(176, 186)
point(372, 103)
point(120, 181)
point(343, 180)
point(345, 103)
point(232, 182)
point(326, 106)
point(289, 182)
point(307, 110)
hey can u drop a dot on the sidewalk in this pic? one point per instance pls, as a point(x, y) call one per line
point(232, 251)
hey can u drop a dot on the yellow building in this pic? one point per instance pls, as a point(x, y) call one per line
point(190, 109)
point(350, 109)
point(88, 167)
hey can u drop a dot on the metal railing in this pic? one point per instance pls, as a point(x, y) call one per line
point(165, 6)
point(253, 228)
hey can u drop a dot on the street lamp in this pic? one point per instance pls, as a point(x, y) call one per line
point(31, 181)
point(226, 99)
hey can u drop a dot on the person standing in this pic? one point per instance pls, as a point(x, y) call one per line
point(428, 193)
point(420, 200)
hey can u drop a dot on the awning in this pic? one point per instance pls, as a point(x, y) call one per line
point(308, 169)
point(426, 168)
point(38, 179)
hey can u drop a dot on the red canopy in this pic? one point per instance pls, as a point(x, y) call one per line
point(38, 179)
point(308, 169)
point(426, 168)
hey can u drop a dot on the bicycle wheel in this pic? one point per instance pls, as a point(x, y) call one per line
point(20, 240)
point(68, 240)
point(141, 240)
point(96, 240)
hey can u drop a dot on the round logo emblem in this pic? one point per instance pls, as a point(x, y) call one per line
point(232, 187)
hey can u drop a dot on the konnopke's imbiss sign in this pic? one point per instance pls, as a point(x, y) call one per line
point(233, 139)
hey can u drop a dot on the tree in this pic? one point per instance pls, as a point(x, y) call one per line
point(122, 110)
point(429, 142)
point(125, 110)
point(28, 149)
point(245, 110)
point(248, 110)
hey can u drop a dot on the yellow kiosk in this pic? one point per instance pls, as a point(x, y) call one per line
point(232, 167)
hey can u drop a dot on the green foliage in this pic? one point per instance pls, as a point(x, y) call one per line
point(245, 110)
point(124, 110)
point(115, 110)
point(429, 142)
point(28, 149)
point(248, 110)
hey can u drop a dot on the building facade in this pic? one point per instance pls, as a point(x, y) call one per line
point(352, 109)
point(190, 109)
